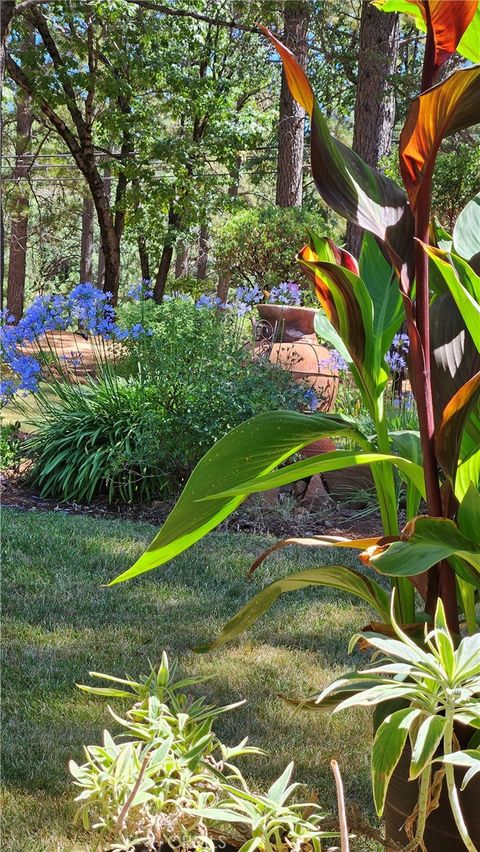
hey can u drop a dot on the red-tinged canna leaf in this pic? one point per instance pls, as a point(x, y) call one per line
point(348, 306)
point(452, 105)
point(347, 184)
point(449, 435)
point(424, 542)
point(297, 80)
point(455, 25)
point(327, 250)
point(317, 541)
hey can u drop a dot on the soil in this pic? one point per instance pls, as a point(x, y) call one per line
point(276, 514)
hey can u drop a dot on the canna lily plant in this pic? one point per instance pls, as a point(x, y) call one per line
point(409, 272)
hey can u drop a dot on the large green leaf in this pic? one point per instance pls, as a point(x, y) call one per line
point(346, 183)
point(462, 283)
point(387, 750)
point(428, 738)
point(248, 451)
point(382, 284)
point(466, 234)
point(333, 576)
point(409, 445)
point(337, 460)
point(425, 541)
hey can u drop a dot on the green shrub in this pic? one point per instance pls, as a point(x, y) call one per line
point(10, 446)
point(137, 433)
point(261, 245)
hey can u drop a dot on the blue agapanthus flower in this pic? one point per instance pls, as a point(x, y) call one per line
point(396, 357)
point(86, 308)
point(208, 301)
point(140, 291)
point(286, 293)
point(311, 399)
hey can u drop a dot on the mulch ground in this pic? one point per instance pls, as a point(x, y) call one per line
point(256, 515)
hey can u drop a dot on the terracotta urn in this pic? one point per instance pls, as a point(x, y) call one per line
point(287, 335)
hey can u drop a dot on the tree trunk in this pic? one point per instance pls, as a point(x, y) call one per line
point(86, 247)
point(375, 100)
point(223, 282)
point(181, 259)
point(143, 257)
point(202, 260)
point(292, 116)
point(19, 221)
point(107, 183)
point(166, 257)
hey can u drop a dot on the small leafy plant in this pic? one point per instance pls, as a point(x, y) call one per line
point(174, 783)
point(438, 686)
point(266, 822)
point(145, 790)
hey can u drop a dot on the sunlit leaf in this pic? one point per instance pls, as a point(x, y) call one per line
point(446, 108)
point(345, 182)
point(466, 234)
point(250, 450)
point(428, 738)
point(387, 750)
point(332, 576)
point(455, 25)
point(452, 424)
point(424, 542)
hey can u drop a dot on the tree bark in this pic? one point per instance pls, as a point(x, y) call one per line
point(19, 221)
point(203, 246)
point(375, 100)
point(107, 183)
point(289, 188)
point(166, 257)
point(86, 246)
point(181, 259)
point(223, 282)
point(143, 257)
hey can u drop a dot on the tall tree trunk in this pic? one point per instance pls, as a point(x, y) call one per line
point(143, 257)
point(181, 259)
point(107, 183)
point(203, 246)
point(86, 246)
point(223, 282)
point(19, 222)
point(167, 254)
point(291, 122)
point(375, 100)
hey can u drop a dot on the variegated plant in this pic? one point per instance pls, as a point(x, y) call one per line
point(405, 275)
point(438, 686)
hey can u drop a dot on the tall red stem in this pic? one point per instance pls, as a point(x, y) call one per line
point(441, 579)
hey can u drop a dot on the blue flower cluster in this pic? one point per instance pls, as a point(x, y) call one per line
point(335, 362)
point(311, 399)
point(142, 290)
point(286, 293)
point(208, 301)
point(396, 358)
point(86, 308)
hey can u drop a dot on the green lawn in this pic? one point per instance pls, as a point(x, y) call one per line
point(58, 623)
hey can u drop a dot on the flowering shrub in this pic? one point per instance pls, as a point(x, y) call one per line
point(86, 309)
point(137, 431)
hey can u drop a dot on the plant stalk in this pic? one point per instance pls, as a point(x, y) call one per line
point(441, 579)
point(450, 778)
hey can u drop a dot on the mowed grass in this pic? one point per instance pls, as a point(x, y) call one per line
point(58, 624)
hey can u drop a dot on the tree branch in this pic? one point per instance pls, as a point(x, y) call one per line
point(187, 13)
